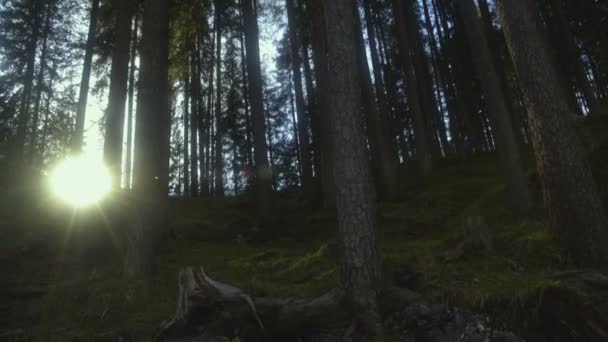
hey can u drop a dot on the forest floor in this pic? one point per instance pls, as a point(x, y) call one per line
point(47, 296)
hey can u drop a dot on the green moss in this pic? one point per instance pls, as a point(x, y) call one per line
point(293, 258)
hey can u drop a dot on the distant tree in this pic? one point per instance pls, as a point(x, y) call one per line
point(520, 199)
point(86, 76)
point(263, 173)
point(423, 140)
point(302, 136)
point(119, 76)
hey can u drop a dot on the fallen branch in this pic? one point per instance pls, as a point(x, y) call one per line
point(210, 307)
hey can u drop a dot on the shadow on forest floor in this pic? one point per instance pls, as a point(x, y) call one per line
point(53, 297)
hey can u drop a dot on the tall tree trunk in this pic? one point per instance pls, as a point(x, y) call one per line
point(423, 141)
point(86, 76)
point(263, 180)
point(47, 110)
point(152, 138)
point(248, 126)
point(186, 119)
point(294, 122)
point(326, 131)
point(203, 179)
point(302, 124)
point(119, 75)
point(28, 83)
point(131, 107)
point(520, 199)
point(206, 182)
point(219, 129)
point(383, 155)
point(35, 146)
point(313, 113)
point(376, 65)
point(435, 124)
point(195, 86)
point(576, 213)
point(360, 270)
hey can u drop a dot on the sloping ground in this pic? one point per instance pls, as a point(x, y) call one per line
point(425, 245)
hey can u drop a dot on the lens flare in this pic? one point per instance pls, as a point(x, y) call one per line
point(81, 181)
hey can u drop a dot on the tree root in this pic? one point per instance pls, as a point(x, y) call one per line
point(209, 307)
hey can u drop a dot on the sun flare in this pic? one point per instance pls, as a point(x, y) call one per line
point(80, 181)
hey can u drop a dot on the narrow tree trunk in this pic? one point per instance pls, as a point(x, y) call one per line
point(576, 213)
point(152, 138)
point(195, 86)
point(119, 76)
point(376, 66)
point(435, 124)
point(326, 131)
point(186, 118)
point(84, 83)
point(131, 107)
point(219, 125)
point(47, 110)
point(28, 82)
point(263, 181)
point(35, 146)
point(302, 124)
point(204, 189)
point(423, 154)
point(383, 158)
point(248, 126)
point(294, 122)
point(519, 195)
point(206, 182)
point(360, 270)
point(313, 113)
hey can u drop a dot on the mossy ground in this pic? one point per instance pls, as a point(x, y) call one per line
point(294, 257)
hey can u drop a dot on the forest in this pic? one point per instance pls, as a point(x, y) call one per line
point(304, 170)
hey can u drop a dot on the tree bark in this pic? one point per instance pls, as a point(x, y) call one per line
point(195, 86)
point(84, 83)
point(576, 213)
point(186, 119)
point(131, 107)
point(360, 264)
point(520, 199)
point(302, 124)
point(219, 129)
point(326, 131)
point(152, 138)
point(263, 173)
point(119, 75)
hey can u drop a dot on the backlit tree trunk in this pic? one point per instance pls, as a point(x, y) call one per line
point(152, 137)
point(302, 123)
point(119, 75)
point(77, 140)
point(219, 125)
point(131, 107)
point(263, 173)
